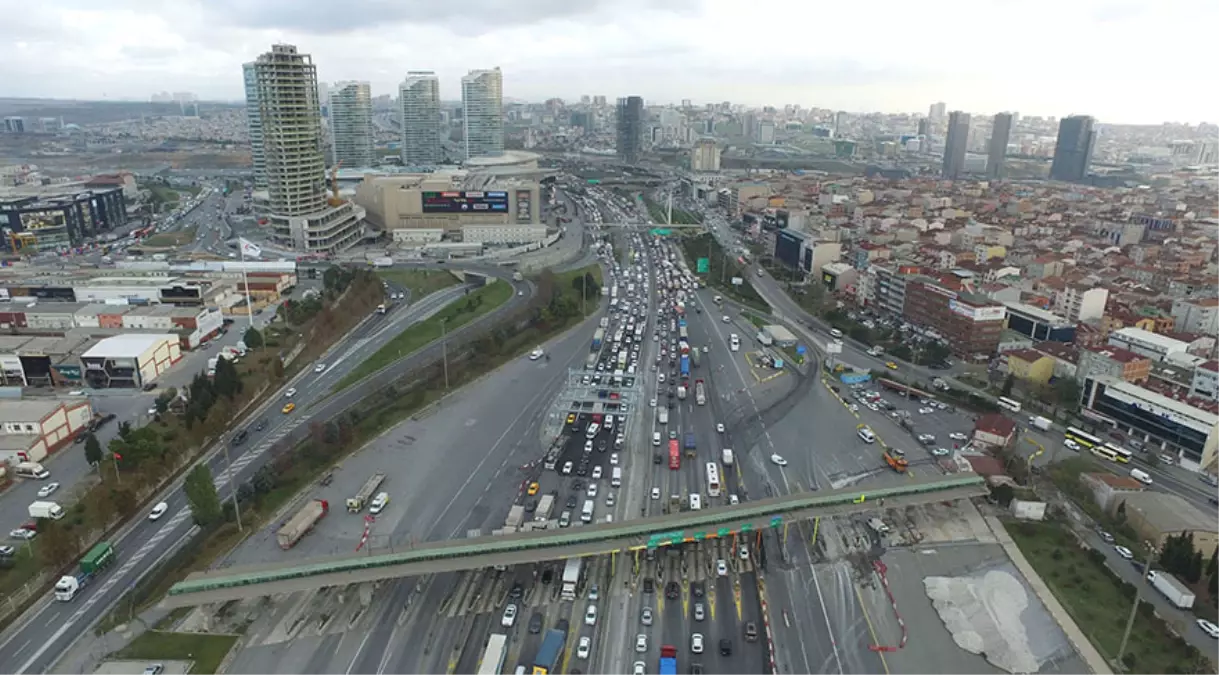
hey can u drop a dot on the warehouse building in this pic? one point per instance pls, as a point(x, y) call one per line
point(31, 430)
point(130, 360)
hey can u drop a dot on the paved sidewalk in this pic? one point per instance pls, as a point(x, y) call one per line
point(1096, 663)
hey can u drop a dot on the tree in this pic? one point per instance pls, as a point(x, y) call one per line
point(252, 338)
point(277, 368)
point(124, 428)
point(1008, 383)
point(901, 352)
point(1121, 512)
point(58, 543)
point(201, 494)
point(93, 450)
point(1213, 566)
point(1193, 573)
point(1067, 391)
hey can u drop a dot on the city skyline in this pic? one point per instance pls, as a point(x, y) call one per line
point(128, 52)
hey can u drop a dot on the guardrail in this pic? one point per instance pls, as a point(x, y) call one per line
point(658, 531)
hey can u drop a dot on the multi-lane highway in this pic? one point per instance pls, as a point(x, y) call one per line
point(46, 632)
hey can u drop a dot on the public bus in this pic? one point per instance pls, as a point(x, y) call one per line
point(1009, 404)
point(713, 480)
point(492, 662)
point(1113, 453)
point(1082, 438)
point(674, 455)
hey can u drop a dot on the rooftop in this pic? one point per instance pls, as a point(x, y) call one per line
point(127, 346)
point(1118, 354)
point(1170, 513)
point(996, 424)
point(27, 410)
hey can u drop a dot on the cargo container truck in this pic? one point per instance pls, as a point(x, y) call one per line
point(545, 506)
point(571, 577)
point(516, 516)
point(97, 559)
point(700, 393)
point(668, 660)
point(1176, 592)
point(301, 523)
point(685, 366)
point(549, 652)
point(1042, 423)
point(598, 338)
point(46, 510)
point(360, 500)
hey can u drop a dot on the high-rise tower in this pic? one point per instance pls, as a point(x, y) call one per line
point(254, 124)
point(630, 129)
point(419, 102)
point(1000, 136)
point(482, 97)
point(955, 144)
point(1073, 150)
point(351, 124)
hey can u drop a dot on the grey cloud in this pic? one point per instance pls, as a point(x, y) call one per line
point(471, 17)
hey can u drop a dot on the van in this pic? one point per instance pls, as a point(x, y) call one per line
point(1141, 476)
point(591, 433)
point(32, 470)
point(696, 502)
point(734, 342)
point(834, 332)
point(586, 514)
point(616, 477)
point(655, 438)
point(565, 519)
point(866, 435)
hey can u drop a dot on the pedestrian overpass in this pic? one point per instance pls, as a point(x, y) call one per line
point(240, 582)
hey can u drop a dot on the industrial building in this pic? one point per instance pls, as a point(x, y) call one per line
point(32, 429)
point(131, 360)
point(58, 218)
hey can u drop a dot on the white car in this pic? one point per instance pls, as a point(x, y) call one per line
point(379, 503)
point(744, 553)
point(588, 446)
point(1071, 445)
point(926, 411)
point(660, 377)
point(509, 617)
point(1208, 628)
point(958, 436)
point(319, 368)
point(655, 493)
point(641, 643)
point(536, 354)
point(290, 393)
point(590, 616)
point(940, 452)
point(778, 460)
point(22, 533)
point(696, 643)
point(158, 511)
point(1124, 552)
point(706, 349)
point(652, 402)
point(597, 472)
point(721, 567)
point(584, 648)
point(46, 490)
point(567, 466)
point(719, 426)
point(592, 490)
point(734, 500)
point(641, 668)
point(725, 318)
point(613, 459)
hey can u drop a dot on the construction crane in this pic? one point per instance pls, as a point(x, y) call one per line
point(335, 200)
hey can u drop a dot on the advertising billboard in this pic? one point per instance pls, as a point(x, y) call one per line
point(978, 313)
point(465, 202)
point(524, 206)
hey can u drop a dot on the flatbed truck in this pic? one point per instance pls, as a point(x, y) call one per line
point(360, 500)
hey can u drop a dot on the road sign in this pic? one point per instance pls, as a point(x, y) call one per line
point(704, 265)
point(747, 527)
point(776, 521)
point(801, 349)
point(661, 232)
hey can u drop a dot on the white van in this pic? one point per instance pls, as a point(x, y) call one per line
point(586, 514)
point(616, 477)
point(591, 433)
point(32, 470)
point(1141, 476)
point(696, 502)
point(866, 435)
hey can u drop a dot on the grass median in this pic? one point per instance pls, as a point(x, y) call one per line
point(454, 316)
point(1100, 602)
point(420, 282)
point(206, 651)
point(170, 239)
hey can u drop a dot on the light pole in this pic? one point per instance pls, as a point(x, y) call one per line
point(444, 350)
point(1138, 593)
point(228, 468)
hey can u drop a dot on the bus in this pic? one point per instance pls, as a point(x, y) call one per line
point(492, 662)
point(1113, 453)
point(713, 480)
point(674, 455)
point(1009, 404)
point(1082, 438)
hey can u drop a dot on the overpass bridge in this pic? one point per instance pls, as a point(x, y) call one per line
point(236, 583)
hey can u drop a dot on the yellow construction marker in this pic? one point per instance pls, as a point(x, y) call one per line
point(736, 593)
point(711, 602)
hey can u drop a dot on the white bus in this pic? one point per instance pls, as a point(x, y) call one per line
point(1009, 404)
point(713, 480)
point(492, 662)
point(1081, 438)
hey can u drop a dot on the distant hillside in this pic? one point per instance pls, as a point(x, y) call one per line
point(94, 112)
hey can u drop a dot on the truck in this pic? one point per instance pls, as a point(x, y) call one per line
point(571, 577)
point(668, 660)
point(685, 366)
point(301, 522)
point(516, 516)
point(681, 392)
point(545, 506)
point(764, 338)
point(549, 652)
point(46, 510)
point(97, 559)
point(662, 415)
point(1174, 590)
point(360, 500)
point(598, 338)
point(694, 358)
point(381, 308)
point(726, 456)
point(688, 443)
point(517, 276)
point(896, 461)
point(700, 392)
point(1040, 422)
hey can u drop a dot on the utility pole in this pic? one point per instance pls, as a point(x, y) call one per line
point(1138, 598)
point(444, 349)
point(228, 468)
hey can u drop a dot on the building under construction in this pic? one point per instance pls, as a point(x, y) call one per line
point(630, 129)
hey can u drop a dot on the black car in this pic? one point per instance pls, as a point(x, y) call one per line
point(535, 623)
point(582, 470)
point(648, 586)
point(260, 425)
point(577, 485)
point(517, 591)
point(531, 506)
point(657, 459)
point(697, 590)
point(547, 575)
point(150, 386)
point(672, 590)
point(725, 647)
point(239, 437)
point(571, 501)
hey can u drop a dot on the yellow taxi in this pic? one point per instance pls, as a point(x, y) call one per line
point(891, 365)
point(533, 489)
point(289, 408)
point(571, 418)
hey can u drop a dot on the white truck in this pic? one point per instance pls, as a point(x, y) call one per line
point(571, 576)
point(1174, 590)
point(1040, 422)
point(726, 456)
point(545, 506)
point(46, 510)
point(516, 516)
point(662, 415)
point(381, 308)
point(681, 392)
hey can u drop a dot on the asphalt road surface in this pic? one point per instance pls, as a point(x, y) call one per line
point(47, 631)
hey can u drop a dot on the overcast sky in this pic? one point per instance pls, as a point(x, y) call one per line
point(1123, 61)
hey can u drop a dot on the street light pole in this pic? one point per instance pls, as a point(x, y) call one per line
point(228, 468)
point(444, 350)
point(1138, 598)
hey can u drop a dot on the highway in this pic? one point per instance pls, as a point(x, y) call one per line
point(36, 640)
